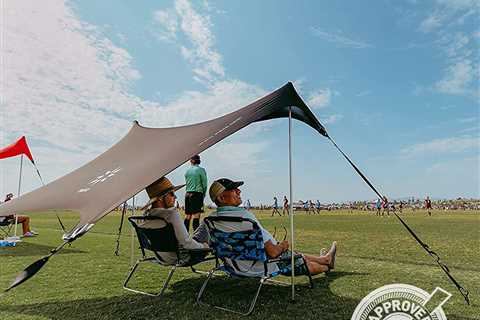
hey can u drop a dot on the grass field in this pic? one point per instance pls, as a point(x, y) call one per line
point(84, 281)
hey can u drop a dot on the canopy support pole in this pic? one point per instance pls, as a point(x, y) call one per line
point(20, 176)
point(290, 211)
point(117, 249)
point(18, 192)
point(132, 238)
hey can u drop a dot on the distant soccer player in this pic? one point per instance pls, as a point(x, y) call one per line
point(275, 207)
point(385, 206)
point(311, 206)
point(428, 206)
point(285, 205)
point(378, 206)
point(306, 206)
point(248, 205)
point(318, 206)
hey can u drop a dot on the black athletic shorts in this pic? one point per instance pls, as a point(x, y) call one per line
point(193, 202)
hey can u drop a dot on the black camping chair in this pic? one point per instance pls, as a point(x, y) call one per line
point(246, 245)
point(6, 225)
point(163, 240)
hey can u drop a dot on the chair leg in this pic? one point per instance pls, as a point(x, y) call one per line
point(132, 271)
point(252, 303)
point(308, 273)
point(170, 274)
point(198, 271)
point(204, 286)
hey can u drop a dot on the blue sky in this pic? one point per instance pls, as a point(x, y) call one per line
point(396, 83)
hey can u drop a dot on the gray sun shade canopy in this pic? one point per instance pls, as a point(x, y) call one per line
point(146, 154)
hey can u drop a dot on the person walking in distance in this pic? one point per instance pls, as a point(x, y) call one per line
point(285, 205)
point(275, 207)
point(428, 206)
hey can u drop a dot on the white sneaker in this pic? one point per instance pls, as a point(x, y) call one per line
point(28, 234)
point(35, 233)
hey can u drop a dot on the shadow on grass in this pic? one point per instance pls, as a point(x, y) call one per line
point(24, 249)
point(179, 302)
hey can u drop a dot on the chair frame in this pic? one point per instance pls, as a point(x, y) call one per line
point(6, 226)
point(170, 245)
point(210, 223)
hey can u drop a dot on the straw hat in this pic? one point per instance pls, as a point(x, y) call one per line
point(160, 188)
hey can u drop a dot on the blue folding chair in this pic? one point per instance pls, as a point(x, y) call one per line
point(163, 240)
point(233, 247)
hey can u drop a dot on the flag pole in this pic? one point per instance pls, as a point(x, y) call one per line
point(18, 193)
point(291, 198)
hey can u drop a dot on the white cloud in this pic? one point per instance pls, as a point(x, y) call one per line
point(446, 145)
point(432, 22)
point(61, 80)
point(458, 77)
point(339, 38)
point(320, 98)
point(194, 106)
point(241, 157)
point(68, 87)
point(456, 45)
point(168, 22)
point(447, 11)
point(446, 22)
point(196, 28)
point(331, 119)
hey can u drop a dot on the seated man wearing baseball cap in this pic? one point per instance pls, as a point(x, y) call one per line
point(162, 201)
point(226, 195)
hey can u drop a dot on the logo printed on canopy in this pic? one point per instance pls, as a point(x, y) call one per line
point(101, 178)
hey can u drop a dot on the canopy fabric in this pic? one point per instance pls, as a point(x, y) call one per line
point(146, 154)
point(15, 149)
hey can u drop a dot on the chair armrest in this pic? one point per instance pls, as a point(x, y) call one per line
point(295, 256)
point(207, 250)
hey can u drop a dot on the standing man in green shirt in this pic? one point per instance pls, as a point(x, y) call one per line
point(196, 182)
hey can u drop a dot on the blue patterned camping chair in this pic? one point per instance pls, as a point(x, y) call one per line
point(230, 248)
point(162, 240)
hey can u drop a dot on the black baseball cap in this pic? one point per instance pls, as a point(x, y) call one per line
point(220, 185)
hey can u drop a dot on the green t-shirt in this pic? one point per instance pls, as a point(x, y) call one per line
point(196, 179)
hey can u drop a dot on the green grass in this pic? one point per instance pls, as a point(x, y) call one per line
point(84, 281)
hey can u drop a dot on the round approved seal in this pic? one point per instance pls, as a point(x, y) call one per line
point(402, 302)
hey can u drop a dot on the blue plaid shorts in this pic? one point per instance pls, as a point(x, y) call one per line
point(285, 266)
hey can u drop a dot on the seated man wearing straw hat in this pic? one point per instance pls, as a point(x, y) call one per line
point(162, 201)
point(226, 195)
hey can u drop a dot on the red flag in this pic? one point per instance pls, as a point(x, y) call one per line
point(19, 147)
